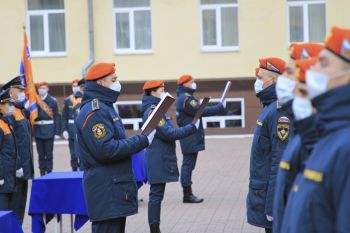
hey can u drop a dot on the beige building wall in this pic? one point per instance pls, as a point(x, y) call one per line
point(263, 31)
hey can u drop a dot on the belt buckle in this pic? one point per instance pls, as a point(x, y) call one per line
point(42, 122)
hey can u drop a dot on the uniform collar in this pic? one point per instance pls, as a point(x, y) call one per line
point(268, 95)
point(95, 91)
point(148, 101)
point(181, 90)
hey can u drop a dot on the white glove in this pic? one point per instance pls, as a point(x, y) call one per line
point(269, 218)
point(224, 102)
point(57, 137)
point(2, 182)
point(197, 124)
point(65, 135)
point(150, 137)
point(19, 173)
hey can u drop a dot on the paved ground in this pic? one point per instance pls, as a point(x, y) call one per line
point(221, 178)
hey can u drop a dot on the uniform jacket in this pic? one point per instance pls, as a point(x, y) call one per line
point(76, 110)
point(319, 199)
point(8, 157)
point(105, 153)
point(161, 154)
point(48, 131)
point(186, 108)
point(270, 139)
point(68, 114)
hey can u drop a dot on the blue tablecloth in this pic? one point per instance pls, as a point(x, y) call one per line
point(57, 193)
point(9, 223)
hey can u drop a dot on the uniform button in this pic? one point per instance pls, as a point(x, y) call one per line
point(114, 180)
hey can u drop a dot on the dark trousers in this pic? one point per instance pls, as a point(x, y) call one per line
point(19, 199)
point(6, 201)
point(45, 151)
point(156, 195)
point(73, 158)
point(268, 230)
point(188, 165)
point(116, 225)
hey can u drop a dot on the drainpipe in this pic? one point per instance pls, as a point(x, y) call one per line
point(91, 39)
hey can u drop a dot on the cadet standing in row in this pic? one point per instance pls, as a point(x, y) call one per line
point(105, 151)
point(186, 108)
point(160, 156)
point(270, 139)
point(22, 130)
point(8, 153)
point(68, 123)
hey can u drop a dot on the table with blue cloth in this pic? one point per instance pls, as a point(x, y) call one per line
point(9, 223)
point(54, 194)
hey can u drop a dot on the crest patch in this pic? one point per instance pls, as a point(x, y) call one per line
point(283, 131)
point(161, 122)
point(99, 130)
point(193, 103)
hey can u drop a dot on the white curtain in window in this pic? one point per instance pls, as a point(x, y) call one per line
point(218, 1)
point(317, 22)
point(296, 25)
point(229, 24)
point(209, 27)
point(131, 3)
point(36, 23)
point(45, 4)
point(123, 30)
point(142, 29)
point(57, 32)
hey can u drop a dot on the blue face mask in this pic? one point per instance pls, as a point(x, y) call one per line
point(11, 110)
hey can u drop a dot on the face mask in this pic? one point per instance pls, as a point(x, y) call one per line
point(21, 97)
point(258, 85)
point(194, 86)
point(75, 90)
point(116, 86)
point(11, 110)
point(162, 95)
point(302, 108)
point(284, 89)
point(316, 83)
point(42, 92)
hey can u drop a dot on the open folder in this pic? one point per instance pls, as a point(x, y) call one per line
point(157, 114)
point(200, 110)
point(224, 94)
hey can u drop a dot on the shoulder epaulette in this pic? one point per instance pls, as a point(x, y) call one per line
point(187, 94)
point(95, 105)
point(153, 107)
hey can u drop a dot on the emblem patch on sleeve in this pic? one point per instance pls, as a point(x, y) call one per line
point(99, 131)
point(193, 103)
point(161, 122)
point(283, 128)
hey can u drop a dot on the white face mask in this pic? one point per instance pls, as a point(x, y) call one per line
point(116, 86)
point(316, 83)
point(75, 89)
point(162, 95)
point(11, 110)
point(302, 108)
point(21, 97)
point(42, 92)
point(258, 85)
point(284, 89)
point(194, 86)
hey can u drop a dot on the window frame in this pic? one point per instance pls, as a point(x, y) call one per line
point(305, 6)
point(135, 122)
point(45, 14)
point(131, 13)
point(218, 47)
point(222, 119)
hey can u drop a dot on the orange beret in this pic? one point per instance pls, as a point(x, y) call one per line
point(75, 81)
point(304, 50)
point(272, 64)
point(304, 65)
point(43, 83)
point(256, 72)
point(338, 42)
point(150, 84)
point(184, 79)
point(100, 70)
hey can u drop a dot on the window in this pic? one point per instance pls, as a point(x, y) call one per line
point(233, 116)
point(132, 26)
point(46, 24)
point(131, 114)
point(307, 20)
point(219, 25)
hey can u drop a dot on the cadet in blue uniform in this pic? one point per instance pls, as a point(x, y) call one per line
point(305, 135)
point(21, 128)
point(8, 153)
point(319, 199)
point(46, 128)
point(270, 139)
point(160, 156)
point(186, 107)
point(105, 151)
point(68, 123)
